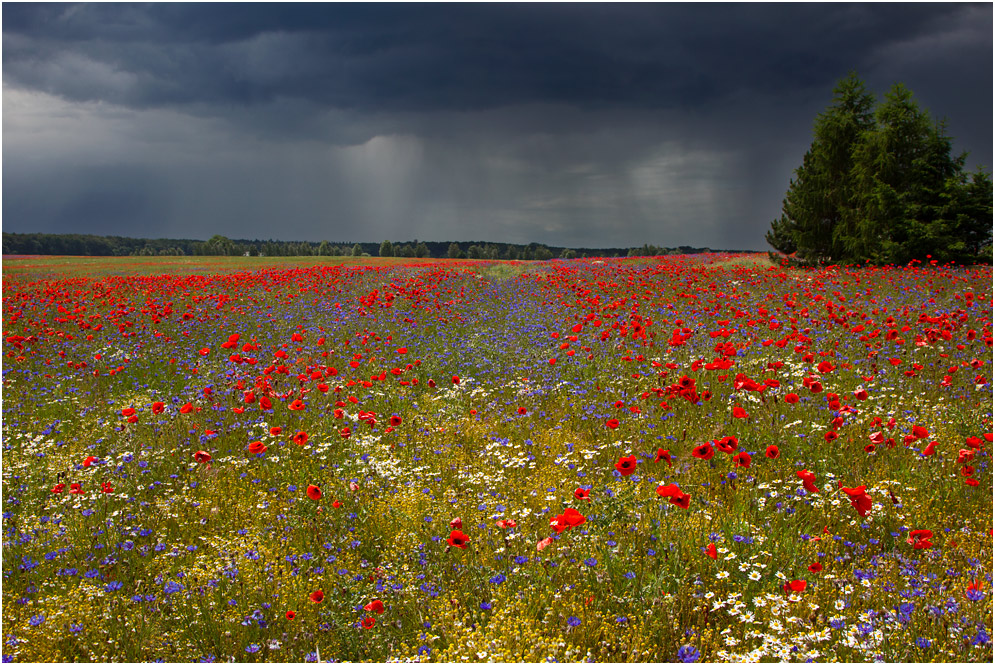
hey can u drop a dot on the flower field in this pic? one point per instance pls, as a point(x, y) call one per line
point(696, 458)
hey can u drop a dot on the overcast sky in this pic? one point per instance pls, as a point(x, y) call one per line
point(583, 125)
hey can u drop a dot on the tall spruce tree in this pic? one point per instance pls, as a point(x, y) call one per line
point(882, 186)
point(902, 170)
point(821, 191)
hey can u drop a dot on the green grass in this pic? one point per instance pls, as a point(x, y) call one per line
point(217, 553)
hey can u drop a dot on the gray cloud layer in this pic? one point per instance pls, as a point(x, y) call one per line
point(578, 125)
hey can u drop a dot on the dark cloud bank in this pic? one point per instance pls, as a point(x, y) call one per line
point(573, 125)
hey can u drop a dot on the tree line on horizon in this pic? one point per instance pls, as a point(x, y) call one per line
point(879, 185)
point(91, 245)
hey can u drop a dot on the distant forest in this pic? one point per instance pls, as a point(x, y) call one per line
point(89, 245)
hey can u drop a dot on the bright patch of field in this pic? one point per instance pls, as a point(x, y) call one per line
point(687, 458)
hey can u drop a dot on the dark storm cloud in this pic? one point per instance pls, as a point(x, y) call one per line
point(567, 124)
point(436, 57)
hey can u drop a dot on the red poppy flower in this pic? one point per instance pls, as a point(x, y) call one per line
point(89, 460)
point(711, 552)
point(275, 431)
point(368, 623)
point(458, 539)
point(739, 412)
point(860, 394)
point(291, 615)
point(297, 405)
point(543, 544)
point(572, 518)
point(522, 410)
point(300, 438)
point(808, 480)
point(402, 350)
point(313, 492)
point(58, 488)
point(612, 424)
point(967, 470)
point(257, 447)
point(704, 451)
point(317, 596)
point(929, 449)
point(920, 539)
point(127, 412)
point(796, 585)
point(75, 488)
point(456, 524)
point(772, 452)
point(742, 459)
point(791, 398)
point(106, 488)
point(830, 436)
point(158, 407)
point(202, 456)
point(662, 454)
point(581, 494)
point(186, 408)
point(869, 448)
point(507, 524)
point(815, 568)
point(626, 465)
point(265, 403)
point(920, 432)
point(728, 444)
point(395, 421)
point(374, 606)
point(859, 499)
point(455, 380)
point(682, 500)
point(345, 432)
point(815, 387)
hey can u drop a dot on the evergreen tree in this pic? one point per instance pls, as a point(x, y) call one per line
point(882, 186)
point(820, 193)
point(903, 171)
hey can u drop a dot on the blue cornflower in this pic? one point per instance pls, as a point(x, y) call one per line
point(485, 605)
point(592, 562)
point(172, 587)
point(37, 620)
point(573, 622)
point(252, 648)
point(975, 594)
point(498, 579)
point(630, 575)
point(113, 586)
point(923, 643)
point(688, 654)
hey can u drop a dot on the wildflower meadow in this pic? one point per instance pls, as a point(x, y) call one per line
point(686, 458)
